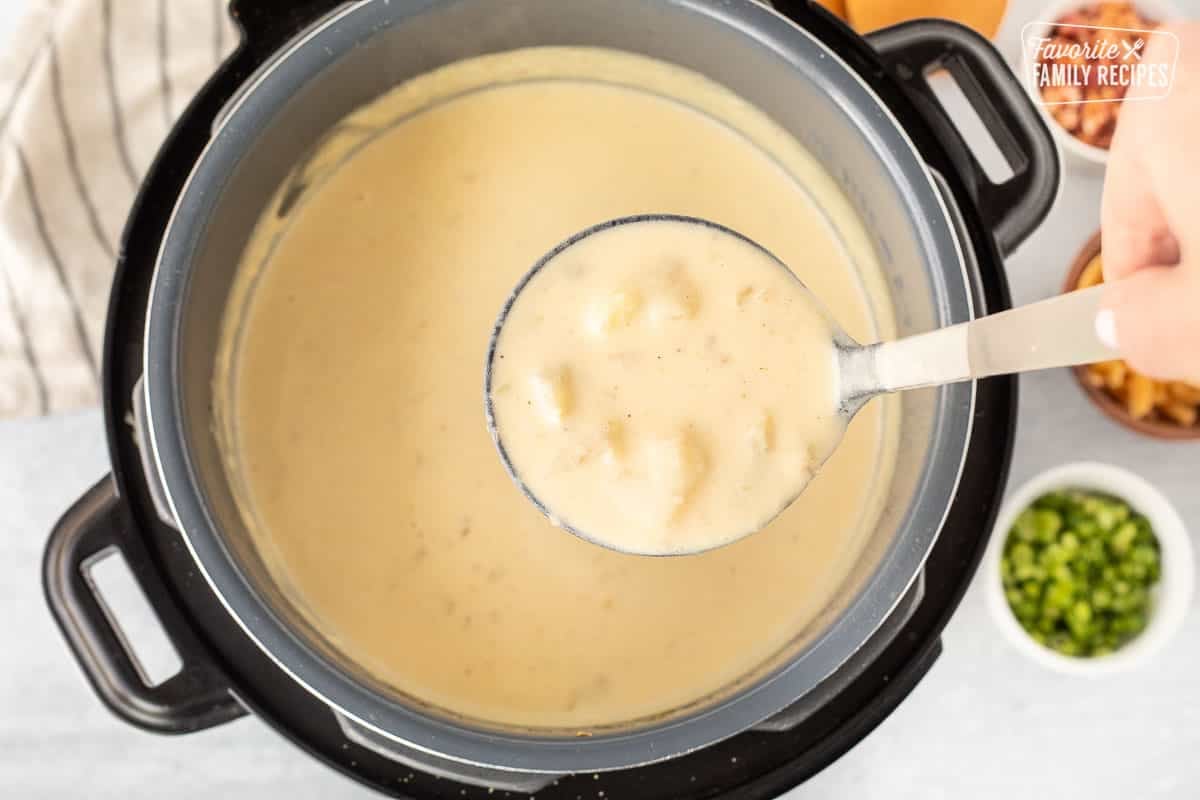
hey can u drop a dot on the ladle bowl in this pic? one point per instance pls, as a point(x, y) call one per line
point(1057, 332)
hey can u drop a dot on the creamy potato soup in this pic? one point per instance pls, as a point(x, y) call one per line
point(664, 386)
point(350, 407)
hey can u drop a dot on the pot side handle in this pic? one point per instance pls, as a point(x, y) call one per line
point(199, 696)
point(1015, 207)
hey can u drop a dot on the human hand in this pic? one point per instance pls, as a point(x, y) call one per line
point(1151, 222)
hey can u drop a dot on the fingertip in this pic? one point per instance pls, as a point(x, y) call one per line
point(1153, 323)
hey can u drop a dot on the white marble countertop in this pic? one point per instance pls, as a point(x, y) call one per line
point(985, 723)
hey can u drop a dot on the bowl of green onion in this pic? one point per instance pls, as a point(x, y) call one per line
point(1089, 570)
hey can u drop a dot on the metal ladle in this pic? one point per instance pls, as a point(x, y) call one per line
point(1057, 332)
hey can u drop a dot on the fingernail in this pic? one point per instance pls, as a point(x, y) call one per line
point(1106, 328)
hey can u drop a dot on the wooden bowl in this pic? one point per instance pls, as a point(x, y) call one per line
point(1112, 407)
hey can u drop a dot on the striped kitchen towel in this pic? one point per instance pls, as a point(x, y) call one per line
point(88, 90)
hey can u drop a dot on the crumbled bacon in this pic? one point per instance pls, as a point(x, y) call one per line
point(1076, 107)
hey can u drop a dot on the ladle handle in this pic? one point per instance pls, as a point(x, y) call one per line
point(1058, 332)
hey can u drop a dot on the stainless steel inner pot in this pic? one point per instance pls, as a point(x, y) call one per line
point(366, 48)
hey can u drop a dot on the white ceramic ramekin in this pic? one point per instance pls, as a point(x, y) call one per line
point(1170, 599)
point(1039, 27)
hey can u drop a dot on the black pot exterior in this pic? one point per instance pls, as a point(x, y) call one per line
point(758, 764)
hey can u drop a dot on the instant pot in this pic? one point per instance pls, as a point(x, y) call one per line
point(862, 106)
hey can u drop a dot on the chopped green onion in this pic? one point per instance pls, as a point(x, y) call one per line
point(1078, 569)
